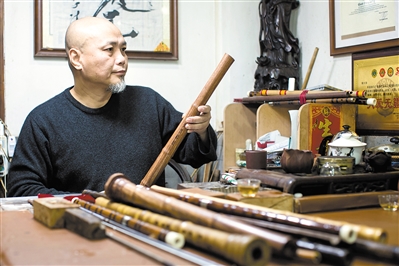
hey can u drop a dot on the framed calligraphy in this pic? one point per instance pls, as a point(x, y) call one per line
point(149, 27)
point(377, 73)
point(363, 25)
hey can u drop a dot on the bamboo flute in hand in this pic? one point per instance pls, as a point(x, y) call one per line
point(175, 140)
point(216, 241)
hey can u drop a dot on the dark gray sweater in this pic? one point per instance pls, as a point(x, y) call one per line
point(65, 147)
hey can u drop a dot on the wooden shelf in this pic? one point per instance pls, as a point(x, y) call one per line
point(242, 122)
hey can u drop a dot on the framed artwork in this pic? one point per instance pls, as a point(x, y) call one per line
point(377, 73)
point(149, 27)
point(363, 25)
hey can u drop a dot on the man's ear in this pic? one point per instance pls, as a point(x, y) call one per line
point(74, 58)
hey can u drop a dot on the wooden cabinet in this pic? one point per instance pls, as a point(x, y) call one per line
point(242, 122)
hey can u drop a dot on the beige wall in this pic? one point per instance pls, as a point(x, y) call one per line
point(207, 30)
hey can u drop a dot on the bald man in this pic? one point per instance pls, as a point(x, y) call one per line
point(100, 126)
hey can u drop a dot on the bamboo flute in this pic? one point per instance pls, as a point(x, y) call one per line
point(171, 146)
point(361, 93)
point(172, 238)
point(314, 241)
point(234, 247)
point(359, 101)
point(119, 188)
point(348, 232)
point(218, 241)
point(301, 97)
point(333, 239)
point(188, 256)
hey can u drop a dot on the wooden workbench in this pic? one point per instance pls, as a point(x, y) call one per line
point(24, 241)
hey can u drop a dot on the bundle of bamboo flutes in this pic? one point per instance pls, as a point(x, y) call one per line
point(280, 97)
point(331, 241)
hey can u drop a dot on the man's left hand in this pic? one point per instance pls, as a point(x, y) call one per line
point(200, 123)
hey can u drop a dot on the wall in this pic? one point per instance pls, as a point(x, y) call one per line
point(207, 30)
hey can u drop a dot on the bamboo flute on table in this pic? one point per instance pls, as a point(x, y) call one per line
point(177, 137)
point(168, 236)
point(234, 247)
point(218, 241)
point(346, 231)
point(114, 226)
point(366, 248)
point(118, 188)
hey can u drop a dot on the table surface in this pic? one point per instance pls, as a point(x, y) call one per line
point(24, 241)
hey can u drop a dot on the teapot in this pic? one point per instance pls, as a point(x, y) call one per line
point(324, 148)
point(391, 149)
point(347, 145)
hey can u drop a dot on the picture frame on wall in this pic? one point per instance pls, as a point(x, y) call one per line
point(360, 25)
point(149, 27)
point(377, 74)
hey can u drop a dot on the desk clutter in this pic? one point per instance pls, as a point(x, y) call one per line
point(224, 229)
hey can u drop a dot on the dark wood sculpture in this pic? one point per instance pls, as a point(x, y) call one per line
point(279, 49)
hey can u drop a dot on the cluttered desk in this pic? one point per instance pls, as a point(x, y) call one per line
point(220, 236)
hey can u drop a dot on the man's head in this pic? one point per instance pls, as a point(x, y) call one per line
point(96, 54)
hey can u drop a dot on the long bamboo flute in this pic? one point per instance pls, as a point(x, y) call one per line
point(348, 232)
point(216, 241)
point(314, 241)
point(333, 239)
point(188, 256)
point(119, 188)
point(237, 248)
point(171, 146)
point(361, 93)
point(168, 236)
point(359, 101)
point(301, 97)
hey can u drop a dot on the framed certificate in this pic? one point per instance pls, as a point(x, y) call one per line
point(377, 73)
point(360, 25)
point(149, 27)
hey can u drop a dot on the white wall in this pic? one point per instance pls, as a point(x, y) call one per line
point(207, 30)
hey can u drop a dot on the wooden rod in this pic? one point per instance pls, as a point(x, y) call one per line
point(305, 81)
point(171, 146)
